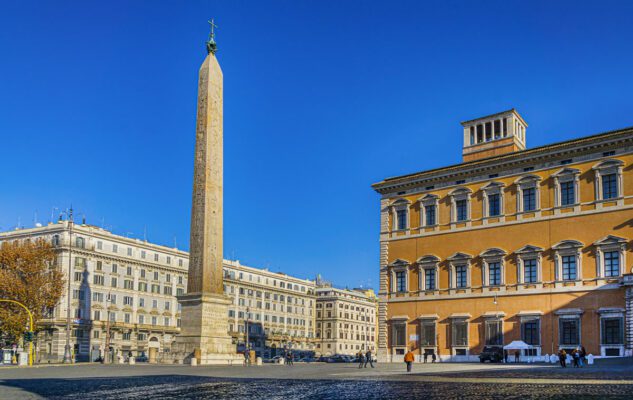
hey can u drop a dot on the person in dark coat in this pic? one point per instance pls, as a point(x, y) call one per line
point(562, 358)
point(369, 359)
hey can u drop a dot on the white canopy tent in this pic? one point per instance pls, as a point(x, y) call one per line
point(517, 345)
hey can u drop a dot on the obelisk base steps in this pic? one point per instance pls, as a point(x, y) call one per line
point(204, 331)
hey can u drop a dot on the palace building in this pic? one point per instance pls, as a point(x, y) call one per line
point(511, 244)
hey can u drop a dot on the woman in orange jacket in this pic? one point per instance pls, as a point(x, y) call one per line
point(409, 358)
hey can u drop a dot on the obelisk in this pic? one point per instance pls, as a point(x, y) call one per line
point(204, 337)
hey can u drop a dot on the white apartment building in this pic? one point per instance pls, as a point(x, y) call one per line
point(117, 284)
point(345, 321)
point(129, 287)
point(277, 309)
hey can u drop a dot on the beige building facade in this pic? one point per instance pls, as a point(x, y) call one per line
point(277, 310)
point(346, 321)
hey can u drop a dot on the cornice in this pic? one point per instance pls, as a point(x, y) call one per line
point(506, 161)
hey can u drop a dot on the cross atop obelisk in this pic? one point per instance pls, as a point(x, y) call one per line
point(212, 47)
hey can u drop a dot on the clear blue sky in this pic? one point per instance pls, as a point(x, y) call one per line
point(322, 98)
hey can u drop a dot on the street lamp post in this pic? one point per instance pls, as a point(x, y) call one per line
point(31, 327)
point(106, 350)
point(67, 356)
point(246, 326)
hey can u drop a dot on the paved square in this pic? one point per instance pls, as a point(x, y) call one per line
point(612, 378)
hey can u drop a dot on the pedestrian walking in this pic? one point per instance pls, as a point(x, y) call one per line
point(426, 356)
point(562, 358)
point(409, 358)
point(517, 356)
point(583, 356)
point(433, 357)
point(361, 360)
point(575, 355)
point(369, 359)
point(505, 356)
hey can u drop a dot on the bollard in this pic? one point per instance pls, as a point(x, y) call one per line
point(259, 361)
point(194, 361)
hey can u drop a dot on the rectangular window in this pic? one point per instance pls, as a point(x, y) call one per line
point(129, 251)
point(430, 215)
point(98, 279)
point(141, 320)
point(494, 206)
point(99, 266)
point(494, 333)
point(78, 276)
point(401, 219)
point(569, 268)
point(461, 210)
point(612, 331)
point(128, 284)
point(529, 271)
point(113, 282)
point(612, 263)
point(567, 193)
point(569, 331)
point(529, 199)
point(530, 332)
point(399, 338)
point(609, 186)
point(461, 279)
point(115, 268)
point(427, 334)
point(429, 279)
point(494, 274)
point(460, 333)
point(401, 281)
point(127, 300)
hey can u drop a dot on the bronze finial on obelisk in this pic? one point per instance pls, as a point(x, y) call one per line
point(204, 337)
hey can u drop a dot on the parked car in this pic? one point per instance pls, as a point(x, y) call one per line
point(492, 354)
point(142, 358)
point(339, 358)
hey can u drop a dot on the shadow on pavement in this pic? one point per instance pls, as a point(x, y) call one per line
point(196, 387)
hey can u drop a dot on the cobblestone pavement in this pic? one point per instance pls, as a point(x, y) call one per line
point(318, 381)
